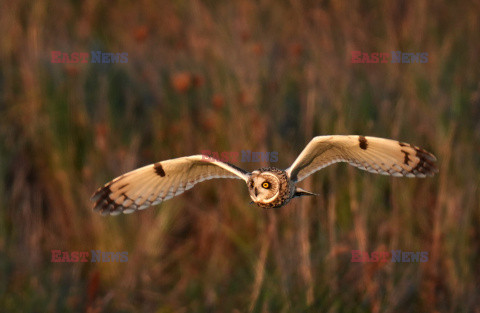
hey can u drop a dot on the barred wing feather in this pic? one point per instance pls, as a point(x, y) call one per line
point(154, 183)
point(376, 155)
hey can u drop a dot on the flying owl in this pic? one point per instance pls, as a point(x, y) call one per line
point(269, 187)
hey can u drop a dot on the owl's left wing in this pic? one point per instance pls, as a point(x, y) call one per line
point(154, 183)
point(376, 155)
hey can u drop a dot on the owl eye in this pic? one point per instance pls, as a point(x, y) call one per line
point(266, 185)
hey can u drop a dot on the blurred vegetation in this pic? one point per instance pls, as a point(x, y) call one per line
point(219, 75)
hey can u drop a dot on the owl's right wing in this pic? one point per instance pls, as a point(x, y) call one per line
point(154, 183)
point(373, 154)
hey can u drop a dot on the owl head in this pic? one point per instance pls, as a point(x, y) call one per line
point(266, 185)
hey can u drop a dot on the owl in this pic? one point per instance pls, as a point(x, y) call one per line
point(269, 187)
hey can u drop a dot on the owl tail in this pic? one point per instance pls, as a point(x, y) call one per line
point(301, 192)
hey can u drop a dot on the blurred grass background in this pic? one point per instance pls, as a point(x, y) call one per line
point(218, 75)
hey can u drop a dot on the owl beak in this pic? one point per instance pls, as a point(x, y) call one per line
point(301, 192)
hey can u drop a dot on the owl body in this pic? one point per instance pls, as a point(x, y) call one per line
point(268, 187)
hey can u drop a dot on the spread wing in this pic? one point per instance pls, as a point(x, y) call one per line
point(154, 183)
point(376, 155)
